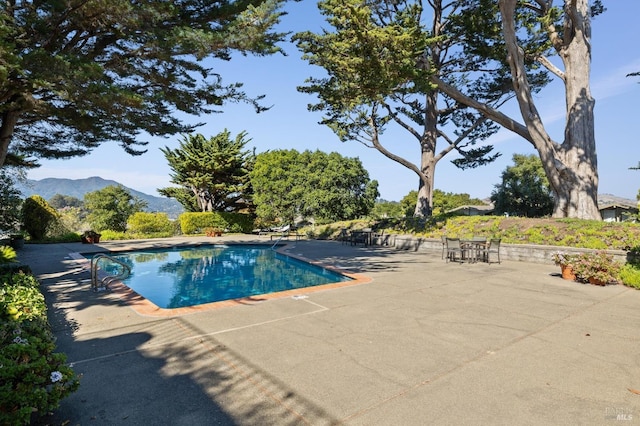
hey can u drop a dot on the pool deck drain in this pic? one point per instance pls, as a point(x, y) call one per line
point(425, 342)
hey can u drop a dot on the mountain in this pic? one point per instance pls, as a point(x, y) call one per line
point(47, 188)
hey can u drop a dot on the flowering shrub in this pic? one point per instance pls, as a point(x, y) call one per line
point(598, 266)
point(32, 376)
point(564, 259)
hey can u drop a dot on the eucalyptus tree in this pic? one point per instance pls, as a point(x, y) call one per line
point(77, 73)
point(533, 32)
point(211, 174)
point(375, 59)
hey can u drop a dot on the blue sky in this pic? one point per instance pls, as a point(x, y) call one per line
point(288, 124)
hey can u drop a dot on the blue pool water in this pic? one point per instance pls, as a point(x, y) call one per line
point(179, 277)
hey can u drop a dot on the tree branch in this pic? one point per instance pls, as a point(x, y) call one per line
point(548, 65)
point(484, 109)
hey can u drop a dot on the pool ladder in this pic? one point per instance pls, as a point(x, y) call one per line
point(96, 282)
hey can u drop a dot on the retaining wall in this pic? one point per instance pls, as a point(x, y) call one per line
point(518, 252)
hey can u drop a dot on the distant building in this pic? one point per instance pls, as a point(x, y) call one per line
point(478, 210)
point(617, 209)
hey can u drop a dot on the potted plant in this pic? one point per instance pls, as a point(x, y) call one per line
point(213, 232)
point(90, 237)
point(17, 241)
point(566, 261)
point(597, 268)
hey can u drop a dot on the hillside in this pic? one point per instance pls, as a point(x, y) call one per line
point(49, 187)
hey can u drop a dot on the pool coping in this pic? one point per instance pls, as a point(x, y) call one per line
point(143, 306)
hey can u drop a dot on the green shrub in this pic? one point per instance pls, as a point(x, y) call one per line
point(630, 275)
point(196, 223)
point(38, 217)
point(32, 376)
point(7, 255)
point(143, 223)
point(109, 235)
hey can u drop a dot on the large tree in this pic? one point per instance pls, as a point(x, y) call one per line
point(375, 59)
point(76, 73)
point(10, 200)
point(564, 32)
point(211, 174)
point(524, 189)
point(110, 208)
point(290, 185)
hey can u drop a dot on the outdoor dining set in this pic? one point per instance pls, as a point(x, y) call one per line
point(365, 236)
point(470, 250)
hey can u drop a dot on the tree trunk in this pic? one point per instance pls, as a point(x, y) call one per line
point(8, 124)
point(572, 166)
point(424, 204)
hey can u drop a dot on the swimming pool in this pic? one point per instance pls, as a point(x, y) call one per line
point(189, 276)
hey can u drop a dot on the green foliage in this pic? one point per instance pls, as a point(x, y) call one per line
point(60, 201)
point(630, 275)
point(524, 190)
point(326, 187)
point(33, 377)
point(384, 64)
point(110, 208)
point(74, 76)
point(445, 201)
point(408, 203)
point(109, 235)
point(384, 209)
point(10, 201)
point(38, 217)
point(554, 232)
point(211, 174)
point(7, 255)
point(150, 224)
point(73, 219)
point(196, 223)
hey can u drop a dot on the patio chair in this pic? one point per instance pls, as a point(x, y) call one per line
point(443, 239)
point(343, 237)
point(454, 250)
point(492, 248)
point(379, 238)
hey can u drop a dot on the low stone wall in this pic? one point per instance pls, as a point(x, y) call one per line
point(518, 252)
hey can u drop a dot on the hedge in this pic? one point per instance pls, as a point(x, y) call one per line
point(196, 223)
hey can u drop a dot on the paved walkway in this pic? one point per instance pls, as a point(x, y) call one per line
point(426, 342)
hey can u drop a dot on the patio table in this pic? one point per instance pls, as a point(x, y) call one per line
point(473, 247)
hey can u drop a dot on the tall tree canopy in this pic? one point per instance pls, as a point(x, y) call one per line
point(524, 190)
point(326, 187)
point(110, 208)
point(379, 61)
point(76, 73)
point(211, 174)
point(532, 33)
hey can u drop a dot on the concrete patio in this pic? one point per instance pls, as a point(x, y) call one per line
point(425, 342)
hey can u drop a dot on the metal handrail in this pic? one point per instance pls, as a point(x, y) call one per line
point(104, 282)
point(278, 241)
